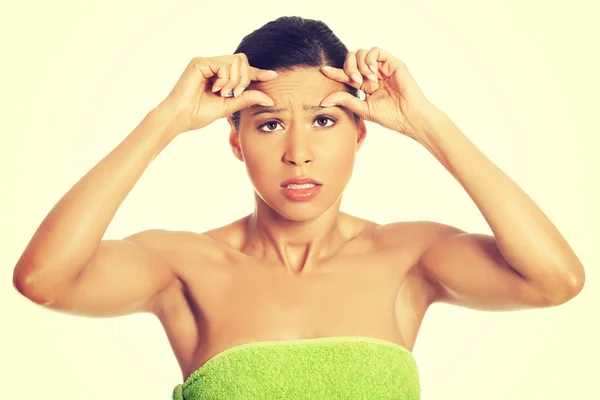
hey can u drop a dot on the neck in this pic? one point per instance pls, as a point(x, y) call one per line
point(297, 246)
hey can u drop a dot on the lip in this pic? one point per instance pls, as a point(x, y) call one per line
point(299, 181)
point(301, 194)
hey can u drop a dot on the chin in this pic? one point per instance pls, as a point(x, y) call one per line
point(299, 215)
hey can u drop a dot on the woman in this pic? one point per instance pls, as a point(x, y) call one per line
point(297, 299)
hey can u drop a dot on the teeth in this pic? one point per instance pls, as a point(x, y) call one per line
point(305, 186)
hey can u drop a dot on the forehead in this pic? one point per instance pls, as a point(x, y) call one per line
point(302, 85)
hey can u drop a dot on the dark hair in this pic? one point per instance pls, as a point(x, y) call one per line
point(290, 42)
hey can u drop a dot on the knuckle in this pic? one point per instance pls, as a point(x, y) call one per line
point(198, 60)
point(223, 72)
point(245, 80)
point(197, 66)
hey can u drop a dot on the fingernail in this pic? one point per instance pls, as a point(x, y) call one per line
point(217, 89)
point(228, 93)
point(373, 68)
point(237, 91)
point(327, 104)
point(265, 104)
point(356, 78)
point(373, 78)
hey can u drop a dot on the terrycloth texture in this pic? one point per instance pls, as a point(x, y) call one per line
point(343, 367)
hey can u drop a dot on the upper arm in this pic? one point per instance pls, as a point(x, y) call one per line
point(469, 270)
point(123, 277)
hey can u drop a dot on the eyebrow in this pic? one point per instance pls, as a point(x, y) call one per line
point(271, 110)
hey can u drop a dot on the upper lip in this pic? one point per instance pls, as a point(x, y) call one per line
point(298, 181)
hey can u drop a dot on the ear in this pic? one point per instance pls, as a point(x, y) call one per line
point(234, 141)
point(361, 133)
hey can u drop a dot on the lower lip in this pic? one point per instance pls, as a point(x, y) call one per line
point(301, 194)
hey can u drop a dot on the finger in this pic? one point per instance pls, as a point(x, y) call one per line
point(372, 59)
point(223, 77)
point(247, 99)
point(385, 63)
point(262, 75)
point(199, 64)
point(363, 67)
point(390, 65)
point(244, 76)
point(345, 99)
point(338, 75)
point(351, 69)
point(234, 78)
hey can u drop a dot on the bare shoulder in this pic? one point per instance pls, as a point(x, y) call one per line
point(231, 234)
point(169, 244)
point(185, 252)
point(408, 241)
point(417, 234)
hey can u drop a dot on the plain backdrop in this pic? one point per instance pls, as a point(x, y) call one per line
point(519, 78)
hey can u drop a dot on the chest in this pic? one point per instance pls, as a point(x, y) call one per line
point(335, 300)
point(228, 303)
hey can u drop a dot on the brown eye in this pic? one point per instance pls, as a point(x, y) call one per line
point(325, 119)
point(268, 124)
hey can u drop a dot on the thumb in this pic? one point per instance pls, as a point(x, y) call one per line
point(345, 99)
point(247, 99)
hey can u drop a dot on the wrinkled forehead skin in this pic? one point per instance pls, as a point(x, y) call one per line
point(296, 88)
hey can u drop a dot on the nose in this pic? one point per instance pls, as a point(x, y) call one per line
point(298, 150)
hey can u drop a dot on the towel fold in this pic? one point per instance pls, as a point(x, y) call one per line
point(342, 367)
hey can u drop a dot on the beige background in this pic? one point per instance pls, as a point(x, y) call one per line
point(518, 77)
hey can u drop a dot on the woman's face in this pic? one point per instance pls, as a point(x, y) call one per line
point(294, 139)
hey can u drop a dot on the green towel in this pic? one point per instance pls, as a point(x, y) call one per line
point(341, 367)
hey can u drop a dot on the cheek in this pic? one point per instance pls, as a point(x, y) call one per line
point(250, 147)
point(344, 152)
point(258, 165)
point(343, 165)
point(259, 160)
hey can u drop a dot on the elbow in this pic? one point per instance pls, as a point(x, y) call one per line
point(566, 290)
point(27, 286)
point(21, 279)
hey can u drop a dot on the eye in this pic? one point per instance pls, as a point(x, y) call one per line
point(268, 124)
point(325, 118)
point(319, 119)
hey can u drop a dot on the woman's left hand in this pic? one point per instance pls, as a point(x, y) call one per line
point(392, 97)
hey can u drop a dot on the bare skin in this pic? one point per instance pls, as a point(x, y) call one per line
point(366, 288)
point(290, 270)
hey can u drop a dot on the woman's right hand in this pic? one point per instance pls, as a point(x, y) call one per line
point(199, 96)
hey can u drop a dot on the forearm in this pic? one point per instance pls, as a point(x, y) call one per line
point(528, 240)
point(72, 230)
